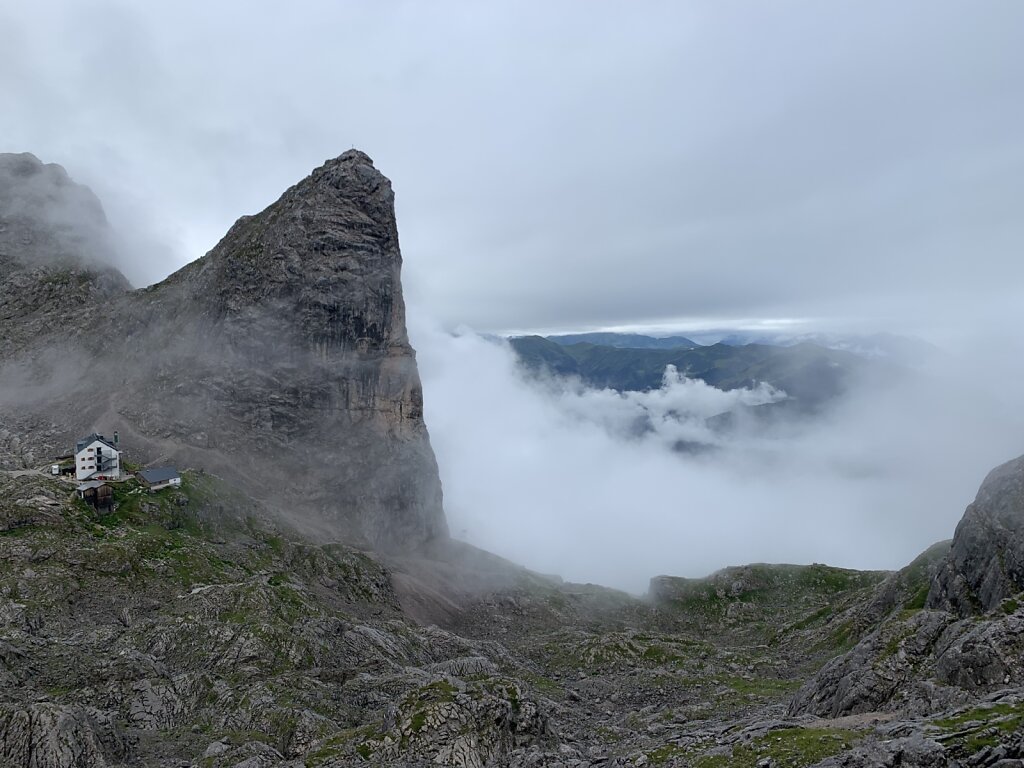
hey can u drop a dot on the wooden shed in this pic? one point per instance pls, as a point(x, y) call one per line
point(97, 493)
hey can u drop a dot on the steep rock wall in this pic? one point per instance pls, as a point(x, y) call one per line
point(280, 359)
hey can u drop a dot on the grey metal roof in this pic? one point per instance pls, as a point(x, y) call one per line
point(159, 474)
point(85, 442)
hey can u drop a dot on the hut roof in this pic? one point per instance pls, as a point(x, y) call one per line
point(159, 474)
point(88, 440)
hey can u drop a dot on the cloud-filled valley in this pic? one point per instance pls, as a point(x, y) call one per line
point(559, 476)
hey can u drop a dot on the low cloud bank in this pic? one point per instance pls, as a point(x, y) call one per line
point(675, 413)
point(585, 484)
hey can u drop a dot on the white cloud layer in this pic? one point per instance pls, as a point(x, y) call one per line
point(555, 479)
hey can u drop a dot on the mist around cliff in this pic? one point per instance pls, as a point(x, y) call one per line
point(49, 219)
point(560, 478)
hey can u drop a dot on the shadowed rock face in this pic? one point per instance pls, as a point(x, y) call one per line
point(280, 359)
point(986, 563)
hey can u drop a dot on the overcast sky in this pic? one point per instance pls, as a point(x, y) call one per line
point(566, 165)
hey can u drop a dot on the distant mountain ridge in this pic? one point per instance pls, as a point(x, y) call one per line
point(624, 340)
point(907, 349)
point(808, 373)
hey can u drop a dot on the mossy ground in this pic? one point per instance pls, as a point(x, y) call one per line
point(252, 610)
point(189, 571)
point(773, 604)
point(969, 731)
point(788, 747)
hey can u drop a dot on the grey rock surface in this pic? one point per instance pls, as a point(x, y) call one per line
point(986, 563)
point(47, 735)
point(47, 220)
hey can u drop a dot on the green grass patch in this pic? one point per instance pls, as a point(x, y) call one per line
point(544, 685)
point(763, 687)
point(663, 754)
point(788, 747)
point(419, 720)
point(438, 691)
point(980, 727)
point(918, 599)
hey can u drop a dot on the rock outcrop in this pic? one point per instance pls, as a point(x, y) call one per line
point(280, 359)
point(958, 637)
point(46, 735)
point(986, 563)
point(283, 353)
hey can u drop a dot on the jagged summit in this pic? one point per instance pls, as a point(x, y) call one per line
point(279, 359)
point(349, 155)
point(324, 259)
point(25, 165)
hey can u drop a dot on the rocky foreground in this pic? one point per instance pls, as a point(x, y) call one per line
point(185, 629)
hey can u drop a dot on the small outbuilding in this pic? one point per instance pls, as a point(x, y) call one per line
point(159, 477)
point(96, 493)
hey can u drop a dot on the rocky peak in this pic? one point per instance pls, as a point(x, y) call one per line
point(319, 268)
point(986, 562)
point(47, 220)
point(279, 360)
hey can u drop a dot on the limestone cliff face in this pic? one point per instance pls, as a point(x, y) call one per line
point(279, 358)
point(986, 563)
